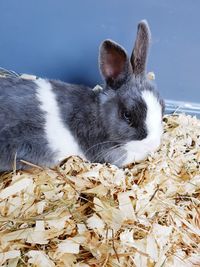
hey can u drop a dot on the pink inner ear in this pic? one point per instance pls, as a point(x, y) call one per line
point(114, 64)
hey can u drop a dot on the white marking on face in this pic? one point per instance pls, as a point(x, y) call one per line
point(139, 150)
point(59, 137)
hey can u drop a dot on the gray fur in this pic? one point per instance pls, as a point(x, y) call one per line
point(95, 119)
point(21, 125)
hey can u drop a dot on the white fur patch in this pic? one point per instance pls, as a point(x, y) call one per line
point(59, 137)
point(139, 150)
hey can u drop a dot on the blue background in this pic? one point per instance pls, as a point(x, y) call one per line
point(60, 39)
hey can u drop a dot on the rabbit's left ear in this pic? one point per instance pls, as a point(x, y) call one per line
point(140, 51)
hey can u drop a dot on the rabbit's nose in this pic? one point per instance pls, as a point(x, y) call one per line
point(142, 134)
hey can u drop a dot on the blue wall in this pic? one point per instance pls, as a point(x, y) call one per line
point(60, 39)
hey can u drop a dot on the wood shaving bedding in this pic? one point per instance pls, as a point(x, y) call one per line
point(82, 214)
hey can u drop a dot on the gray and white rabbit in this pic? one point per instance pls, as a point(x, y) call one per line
point(44, 121)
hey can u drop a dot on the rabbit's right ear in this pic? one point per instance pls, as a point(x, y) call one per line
point(114, 63)
point(140, 50)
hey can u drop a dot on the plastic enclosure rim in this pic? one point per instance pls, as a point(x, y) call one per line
point(182, 107)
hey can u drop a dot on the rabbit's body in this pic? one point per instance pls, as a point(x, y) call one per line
point(44, 121)
point(35, 118)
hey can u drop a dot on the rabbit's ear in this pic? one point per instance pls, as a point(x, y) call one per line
point(114, 63)
point(140, 51)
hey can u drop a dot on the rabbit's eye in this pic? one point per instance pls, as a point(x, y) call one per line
point(127, 116)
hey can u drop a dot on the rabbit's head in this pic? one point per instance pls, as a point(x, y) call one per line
point(131, 108)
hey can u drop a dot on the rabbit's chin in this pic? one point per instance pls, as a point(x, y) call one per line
point(139, 150)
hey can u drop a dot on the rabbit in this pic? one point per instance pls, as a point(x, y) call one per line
point(43, 121)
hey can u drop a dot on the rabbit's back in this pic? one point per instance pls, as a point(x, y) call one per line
point(18, 100)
